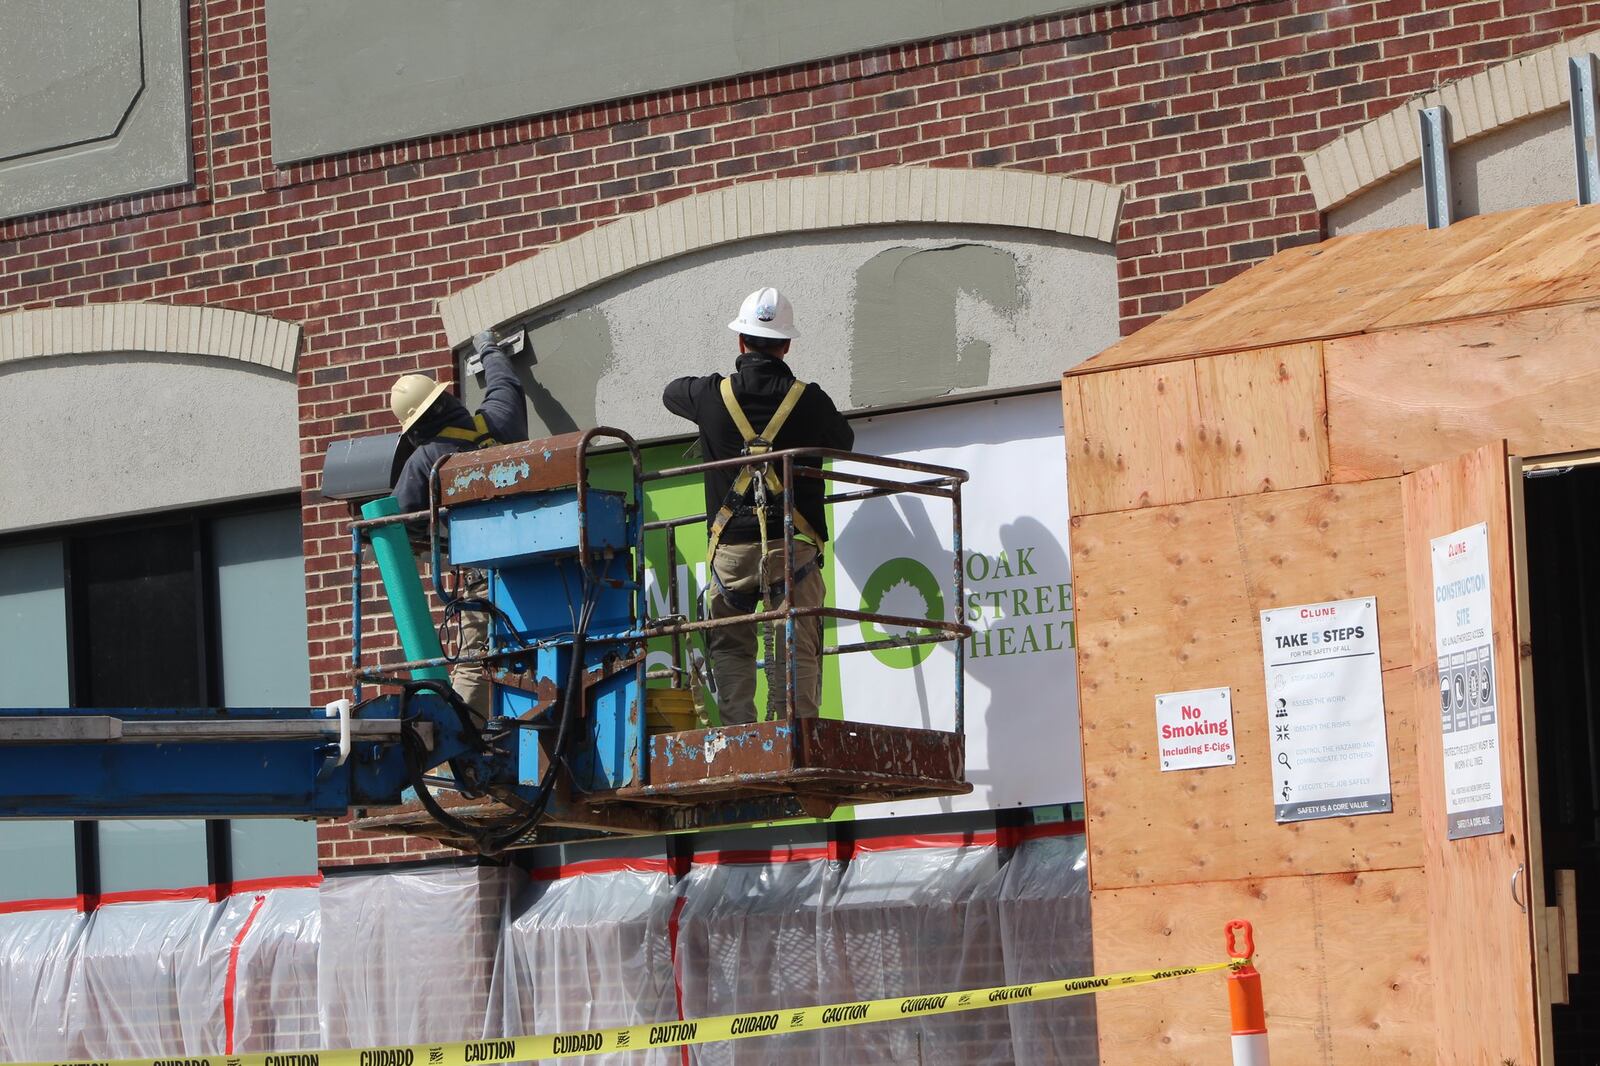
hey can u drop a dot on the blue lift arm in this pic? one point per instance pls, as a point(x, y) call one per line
point(228, 762)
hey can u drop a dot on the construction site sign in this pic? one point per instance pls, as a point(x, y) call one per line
point(1330, 748)
point(1468, 709)
point(894, 555)
point(1195, 729)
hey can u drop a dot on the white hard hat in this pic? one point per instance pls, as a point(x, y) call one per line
point(411, 397)
point(766, 313)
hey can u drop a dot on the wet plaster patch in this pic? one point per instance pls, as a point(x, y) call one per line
point(907, 343)
point(571, 353)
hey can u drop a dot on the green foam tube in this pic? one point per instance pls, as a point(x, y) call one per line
point(407, 600)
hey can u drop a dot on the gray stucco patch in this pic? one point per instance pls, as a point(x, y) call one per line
point(905, 345)
point(400, 69)
point(970, 308)
point(94, 101)
point(573, 352)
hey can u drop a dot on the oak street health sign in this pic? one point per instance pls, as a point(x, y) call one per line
point(1464, 643)
point(895, 555)
point(1330, 750)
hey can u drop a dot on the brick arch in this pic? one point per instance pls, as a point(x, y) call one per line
point(784, 205)
point(42, 333)
point(1493, 99)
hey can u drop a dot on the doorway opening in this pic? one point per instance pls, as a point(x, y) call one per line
point(1562, 510)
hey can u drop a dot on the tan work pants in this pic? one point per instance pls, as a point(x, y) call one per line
point(733, 648)
point(469, 679)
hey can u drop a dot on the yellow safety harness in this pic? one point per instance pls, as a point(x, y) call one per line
point(756, 444)
point(477, 438)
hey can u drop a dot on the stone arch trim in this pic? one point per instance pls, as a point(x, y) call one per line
point(1498, 97)
point(784, 205)
point(167, 329)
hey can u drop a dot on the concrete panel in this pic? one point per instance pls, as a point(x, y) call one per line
point(145, 433)
point(887, 316)
point(70, 76)
point(1517, 166)
point(94, 101)
point(409, 68)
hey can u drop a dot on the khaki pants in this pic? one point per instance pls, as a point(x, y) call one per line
point(733, 648)
point(469, 679)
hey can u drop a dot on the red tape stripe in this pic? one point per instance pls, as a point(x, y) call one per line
point(835, 851)
point(230, 987)
point(207, 893)
point(677, 973)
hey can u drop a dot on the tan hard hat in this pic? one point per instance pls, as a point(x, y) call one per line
point(411, 397)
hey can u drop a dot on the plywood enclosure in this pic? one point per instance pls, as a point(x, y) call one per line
point(1487, 264)
point(1196, 429)
point(1404, 399)
point(1249, 451)
point(1169, 600)
point(1343, 959)
point(1473, 915)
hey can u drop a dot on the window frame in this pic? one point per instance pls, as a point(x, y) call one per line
point(200, 520)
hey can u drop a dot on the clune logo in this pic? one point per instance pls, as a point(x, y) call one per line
point(766, 312)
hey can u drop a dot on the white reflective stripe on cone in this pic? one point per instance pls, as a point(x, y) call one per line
point(1250, 1049)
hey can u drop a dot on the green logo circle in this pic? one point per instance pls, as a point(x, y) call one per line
point(897, 581)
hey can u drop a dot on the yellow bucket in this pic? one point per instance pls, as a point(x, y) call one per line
point(669, 710)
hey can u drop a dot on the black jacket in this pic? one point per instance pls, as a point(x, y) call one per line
point(503, 408)
point(760, 383)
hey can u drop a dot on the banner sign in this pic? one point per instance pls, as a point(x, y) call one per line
point(1330, 750)
point(1464, 644)
point(894, 555)
point(1195, 729)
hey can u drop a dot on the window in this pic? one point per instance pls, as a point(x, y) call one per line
point(202, 608)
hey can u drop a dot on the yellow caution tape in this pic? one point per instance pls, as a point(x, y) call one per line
point(669, 1034)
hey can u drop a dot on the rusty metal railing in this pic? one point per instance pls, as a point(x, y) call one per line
point(938, 481)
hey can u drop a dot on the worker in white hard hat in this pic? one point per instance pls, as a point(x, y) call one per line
point(436, 423)
point(761, 407)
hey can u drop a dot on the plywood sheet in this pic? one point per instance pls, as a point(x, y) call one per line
point(1481, 942)
point(1228, 425)
point(1168, 599)
point(1403, 399)
point(1343, 961)
point(1359, 282)
point(1551, 262)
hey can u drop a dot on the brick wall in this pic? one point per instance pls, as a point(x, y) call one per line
point(1199, 107)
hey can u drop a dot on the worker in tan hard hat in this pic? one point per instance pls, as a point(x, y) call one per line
point(436, 423)
point(761, 407)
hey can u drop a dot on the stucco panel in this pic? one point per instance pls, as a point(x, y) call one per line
point(94, 101)
point(409, 68)
point(887, 316)
point(93, 436)
point(1517, 166)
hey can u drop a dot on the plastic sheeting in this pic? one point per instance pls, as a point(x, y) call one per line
point(893, 922)
point(593, 951)
point(409, 957)
point(152, 978)
point(758, 931)
point(446, 954)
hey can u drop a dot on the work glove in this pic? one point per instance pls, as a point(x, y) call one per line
point(481, 343)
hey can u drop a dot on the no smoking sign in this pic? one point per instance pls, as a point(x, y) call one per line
point(1195, 729)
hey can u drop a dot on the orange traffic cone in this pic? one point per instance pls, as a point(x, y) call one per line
point(1245, 1006)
